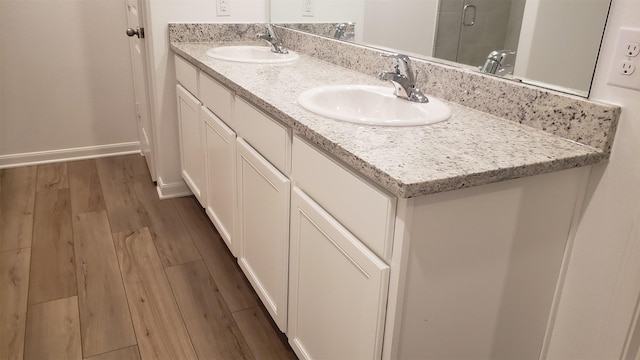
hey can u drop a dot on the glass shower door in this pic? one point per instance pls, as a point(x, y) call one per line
point(468, 30)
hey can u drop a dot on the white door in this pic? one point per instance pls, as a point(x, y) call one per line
point(135, 20)
point(263, 231)
point(221, 176)
point(192, 149)
point(337, 288)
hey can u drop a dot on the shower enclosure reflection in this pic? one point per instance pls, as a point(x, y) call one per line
point(468, 31)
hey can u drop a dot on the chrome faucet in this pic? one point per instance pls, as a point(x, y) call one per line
point(272, 38)
point(403, 79)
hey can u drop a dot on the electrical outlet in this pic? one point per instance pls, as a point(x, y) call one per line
point(633, 48)
point(308, 8)
point(623, 72)
point(223, 8)
point(627, 67)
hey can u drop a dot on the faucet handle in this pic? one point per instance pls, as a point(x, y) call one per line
point(398, 56)
point(269, 29)
point(402, 59)
point(268, 34)
point(403, 64)
point(272, 38)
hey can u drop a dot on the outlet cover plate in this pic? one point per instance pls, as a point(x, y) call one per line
point(620, 75)
point(223, 8)
point(308, 8)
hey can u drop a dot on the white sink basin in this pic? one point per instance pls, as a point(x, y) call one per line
point(372, 105)
point(251, 54)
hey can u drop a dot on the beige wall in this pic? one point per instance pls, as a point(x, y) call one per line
point(66, 77)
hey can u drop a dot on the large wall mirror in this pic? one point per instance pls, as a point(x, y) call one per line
point(549, 43)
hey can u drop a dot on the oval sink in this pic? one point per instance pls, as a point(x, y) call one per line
point(372, 105)
point(251, 54)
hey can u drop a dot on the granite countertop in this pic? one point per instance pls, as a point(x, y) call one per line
point(471, 148)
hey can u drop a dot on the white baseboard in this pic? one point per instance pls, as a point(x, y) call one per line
point(172, 190)
point(53, 156)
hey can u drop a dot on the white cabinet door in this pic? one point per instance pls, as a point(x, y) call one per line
point(221, 176)
point(337, 288)
point(192, 149)
point(263, 217)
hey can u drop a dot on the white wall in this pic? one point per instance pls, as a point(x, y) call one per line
point(603, 280)
point(66, 78)
point(162, 72)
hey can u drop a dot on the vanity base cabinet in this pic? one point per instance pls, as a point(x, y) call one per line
point(343, 267)
point(337, 288)
point(192, 143)
point(263, 229)
point(483, 269)
point(221, 176)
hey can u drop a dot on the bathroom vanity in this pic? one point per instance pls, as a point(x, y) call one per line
point(439, 241)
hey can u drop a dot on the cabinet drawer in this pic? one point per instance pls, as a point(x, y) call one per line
point(363, 208)
point(217, 98)
point(187, 75)
point(269, 137)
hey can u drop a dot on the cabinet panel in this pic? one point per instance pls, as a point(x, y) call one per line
point(483, 266)
point(263, 216)
point(192, 150)
point(217, 98)
point(337, 290)
point(187, 75)
point(367, 211)
point(269, 137)
point(221, 176)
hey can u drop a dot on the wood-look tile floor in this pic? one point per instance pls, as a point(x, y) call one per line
point(94, 266)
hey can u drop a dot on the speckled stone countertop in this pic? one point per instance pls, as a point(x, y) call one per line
point(471, 148)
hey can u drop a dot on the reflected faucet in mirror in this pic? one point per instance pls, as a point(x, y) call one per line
point(403, 79)
point(499, 62)
point(344, 31)
point(340, 28)
point(272, 38)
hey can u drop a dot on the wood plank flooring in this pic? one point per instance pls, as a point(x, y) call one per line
point(94, 266)
point(17, 196)
point(53, 272)
point(14, 277)
point(216, 335)
point(53, 330)
point(99, 282)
